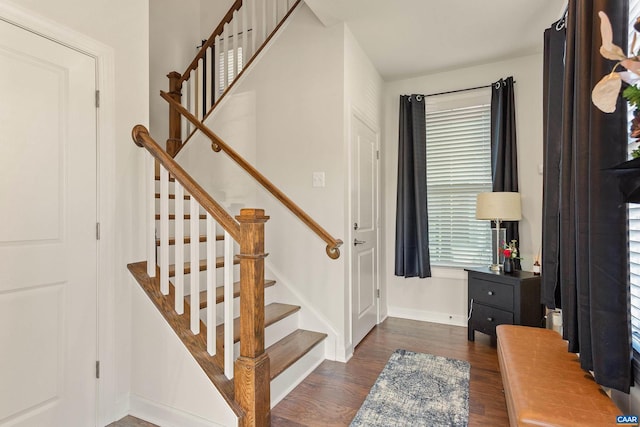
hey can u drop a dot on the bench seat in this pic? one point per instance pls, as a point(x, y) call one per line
point(544, 384)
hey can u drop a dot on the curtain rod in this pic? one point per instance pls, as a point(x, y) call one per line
point(460, 90)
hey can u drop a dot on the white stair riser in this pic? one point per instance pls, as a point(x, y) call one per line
point(284, 383)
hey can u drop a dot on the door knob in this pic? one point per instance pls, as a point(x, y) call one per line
point(357, 242)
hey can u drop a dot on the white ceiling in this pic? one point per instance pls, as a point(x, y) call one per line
point(407, 38)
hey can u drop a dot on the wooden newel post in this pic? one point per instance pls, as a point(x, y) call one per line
point(251, 370)
point(175, 130)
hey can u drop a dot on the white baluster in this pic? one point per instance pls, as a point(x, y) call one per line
point(274, 16)
point(194, 260)
point(210, 80)
point(199, 89)
point(218, 67)
point(235, 44)
point(263, 26)
point(254, 26)
point(228, 306)
point(211, 285)
point(178, 248)
point(245, 31)
point(151, 209)
point(192, 95)
point(164, 231)
point(185, 125)
point(225, 56)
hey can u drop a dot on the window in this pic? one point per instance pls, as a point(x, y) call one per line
point(634, 220)
point(458, 168)
point(229, 65)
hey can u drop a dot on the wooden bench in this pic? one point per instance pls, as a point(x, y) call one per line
point(544, 384)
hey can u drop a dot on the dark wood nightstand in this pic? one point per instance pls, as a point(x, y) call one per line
point(498, 298)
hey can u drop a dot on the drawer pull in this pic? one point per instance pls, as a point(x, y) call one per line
point(490, 293)
point(490, 319)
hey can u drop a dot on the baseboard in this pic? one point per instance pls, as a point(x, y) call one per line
point(165, 416)
point(427, 316)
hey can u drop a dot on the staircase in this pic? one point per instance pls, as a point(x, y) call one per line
point(205, 269)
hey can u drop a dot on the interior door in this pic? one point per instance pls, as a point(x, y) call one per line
point(364, 191)
point(48, 247)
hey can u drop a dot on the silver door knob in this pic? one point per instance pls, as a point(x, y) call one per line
point(357, 242)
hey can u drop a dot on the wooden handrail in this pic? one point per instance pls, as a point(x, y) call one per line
point(142, 139)
point(218, 144)
point(210, 41)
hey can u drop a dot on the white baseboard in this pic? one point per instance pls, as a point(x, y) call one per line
point(427, 316)
point(166, 416)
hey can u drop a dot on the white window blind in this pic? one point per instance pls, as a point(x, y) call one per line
point(229, 65)
point(634, 219)
point(458, 168)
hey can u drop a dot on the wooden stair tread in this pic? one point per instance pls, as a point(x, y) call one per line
point(272, 313)
point(187, 239)
point(291, 348)
point(173, 196)
point(186, 216)
point(203, 265)
point(220, 293)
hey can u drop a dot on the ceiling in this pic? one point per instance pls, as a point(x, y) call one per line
point(407, 38)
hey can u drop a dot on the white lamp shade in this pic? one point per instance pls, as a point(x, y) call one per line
point(504, 206)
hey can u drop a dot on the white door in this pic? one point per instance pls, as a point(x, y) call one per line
point(364, 202)
point(48, 247)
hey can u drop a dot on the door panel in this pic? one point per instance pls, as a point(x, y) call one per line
point(48, 274)
point(365, 229)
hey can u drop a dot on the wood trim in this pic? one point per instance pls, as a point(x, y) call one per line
point(333, 244)
point(251, 370)
point(216, 32)
point(175, 127)
point(142, 138)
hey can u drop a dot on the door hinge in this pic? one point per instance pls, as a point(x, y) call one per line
point(97, 99)
point(97, 231)
point(378, 293)
point(377, 154)
point(97, 369)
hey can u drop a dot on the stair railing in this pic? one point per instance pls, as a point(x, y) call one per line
point(233, 45)
point(218, 144)
point(251, 368)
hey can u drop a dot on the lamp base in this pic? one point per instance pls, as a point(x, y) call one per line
point(495, 267)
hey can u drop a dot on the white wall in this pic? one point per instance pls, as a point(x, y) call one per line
point(443, 298)
point(168, 386)
point(123, 26)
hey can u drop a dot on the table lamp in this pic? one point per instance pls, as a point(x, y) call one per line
point(498, 206)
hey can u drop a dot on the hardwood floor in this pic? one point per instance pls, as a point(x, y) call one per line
point(333, 393)
point(130, 421)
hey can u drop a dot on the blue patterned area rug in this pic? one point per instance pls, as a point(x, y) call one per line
point(416, 389)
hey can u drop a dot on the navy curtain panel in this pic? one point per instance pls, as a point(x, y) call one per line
point(585, 216)
point(553, 89)
point(412, 226)
point(504, 153)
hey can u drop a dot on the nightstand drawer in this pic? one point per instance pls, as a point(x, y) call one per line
point(492, 293)
point(485, 319)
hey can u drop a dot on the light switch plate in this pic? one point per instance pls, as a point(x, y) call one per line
point(318, 179)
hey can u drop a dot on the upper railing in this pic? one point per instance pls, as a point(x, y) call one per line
point(241, 35)
point(218, 144)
